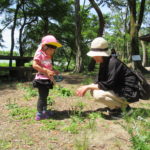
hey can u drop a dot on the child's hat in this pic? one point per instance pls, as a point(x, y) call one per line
point(99, 47)
point(50, 40)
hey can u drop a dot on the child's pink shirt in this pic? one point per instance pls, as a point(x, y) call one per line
point(44, 61)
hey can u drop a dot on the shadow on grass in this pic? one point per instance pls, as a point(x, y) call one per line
point(60, 115)
point(137, 112)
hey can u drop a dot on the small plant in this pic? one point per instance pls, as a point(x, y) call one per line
point(4, 144)
point(140, 137)
point(11, 105)
point(82, 144)
point(138, 128)
point(72, 128)
point(78, 108)
point(50, 101)
point(94, 115)
point(63, 91)
point(49, 125)
point(30, 92)
point(22, 113)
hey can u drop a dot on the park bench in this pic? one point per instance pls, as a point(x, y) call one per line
point(20, 72)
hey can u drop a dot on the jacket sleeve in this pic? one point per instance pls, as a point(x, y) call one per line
point(111, 76)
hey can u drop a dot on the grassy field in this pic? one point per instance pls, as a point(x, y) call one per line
point(76, 124)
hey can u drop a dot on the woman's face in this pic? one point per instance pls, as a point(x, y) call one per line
point(98, 59)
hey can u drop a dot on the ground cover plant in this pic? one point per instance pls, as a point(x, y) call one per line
point(77, 123)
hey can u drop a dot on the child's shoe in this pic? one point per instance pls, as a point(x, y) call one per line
point(47, 114)
point(39, 116)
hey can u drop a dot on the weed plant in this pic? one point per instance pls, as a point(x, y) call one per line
point(77, 109)
point(11, 105)
point(138, 127)
point(49, 125)
point(21, 113)
point(50, 101)
point(73, 128)
point(61, 91)
point(82, 143)
point(4, 144)
point(29, 90)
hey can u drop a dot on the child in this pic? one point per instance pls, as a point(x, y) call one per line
point(44, 80)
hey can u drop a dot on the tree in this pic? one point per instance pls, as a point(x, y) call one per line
point(100, 30)
point(13, 30)
point(79, 65)
point(135, 25)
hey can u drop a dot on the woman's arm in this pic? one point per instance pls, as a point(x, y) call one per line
point(83, 89)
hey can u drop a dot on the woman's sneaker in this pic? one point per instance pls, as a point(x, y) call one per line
point(120, 113)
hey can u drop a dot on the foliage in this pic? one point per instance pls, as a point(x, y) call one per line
point(29, 90)
point(7, 53)
point(50, 100)
point(82, 144)
point(5, 144)
point(49, 125)
point(21, 113)
point(138, 127)
point(65, 92)
point(72, 128)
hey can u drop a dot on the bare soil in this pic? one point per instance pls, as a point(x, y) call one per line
point(28, 135)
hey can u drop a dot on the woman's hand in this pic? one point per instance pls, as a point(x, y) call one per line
point(82, 90)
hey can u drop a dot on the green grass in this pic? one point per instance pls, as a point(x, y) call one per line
point(82, 143)
point(6, 64)
point(138, 127)
point(49, 125)
point(137, 124)
point(20, 113)
point(72, 128)
point(4, 144)
point(29, 90)
point(61, 91)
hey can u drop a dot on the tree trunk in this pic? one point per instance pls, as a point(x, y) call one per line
point(20, 33)
point(13, 31)
point(79, 65)
point(124, 37)
point(144, 60)
point(46, 24)
point(134, 29)
point(92, 63)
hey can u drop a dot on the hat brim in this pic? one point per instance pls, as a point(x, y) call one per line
point(55, 44)
point(102, 53)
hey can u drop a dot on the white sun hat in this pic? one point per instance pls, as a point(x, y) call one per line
point(99, 47)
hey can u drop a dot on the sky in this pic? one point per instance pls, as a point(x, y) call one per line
point(7, 32)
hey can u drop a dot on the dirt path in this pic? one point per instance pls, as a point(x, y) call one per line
point(28, 134)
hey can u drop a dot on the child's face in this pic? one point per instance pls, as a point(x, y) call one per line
point(49, 51)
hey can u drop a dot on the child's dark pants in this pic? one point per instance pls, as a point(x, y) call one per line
point(42, 100)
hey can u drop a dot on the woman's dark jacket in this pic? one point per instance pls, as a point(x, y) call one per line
point(116, 76)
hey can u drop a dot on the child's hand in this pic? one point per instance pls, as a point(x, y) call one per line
point(56, 72)
point(50, 73)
